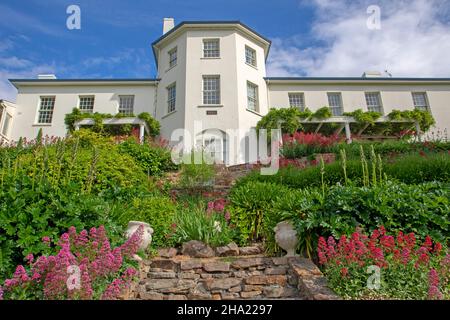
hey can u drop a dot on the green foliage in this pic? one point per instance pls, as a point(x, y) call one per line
point(158, 211)
point(249, 203)
point(424, 118)
point(153, 125)
point(153, 159)
point(77, 115)
point(288, 119)
point(368, 117)
point(196, 224)
point(322, 113)
point(196, 171)
point(82, 181)
point(423, 209)
point(410, 169)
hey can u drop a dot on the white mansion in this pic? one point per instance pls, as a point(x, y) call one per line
point(213, 72)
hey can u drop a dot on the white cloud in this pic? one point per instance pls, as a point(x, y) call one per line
point(414, 40)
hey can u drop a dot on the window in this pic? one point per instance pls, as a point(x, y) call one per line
point(373, 100)
point(8, 118)
point(173, 57)
point(211, 48)
point(171, 97)
point(297, 100)
point(335, 103)
point(46, 106)
point(420, 101)
point(250, 56)
point(211, 90)
point(86, 104)
point(126, 105)
point(252, 96)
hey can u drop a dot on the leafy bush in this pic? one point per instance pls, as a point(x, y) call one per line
point(153, 159)
point(409, 169)
point(196, 171)
point(423, 209)
point(195, 224)
point(392, 148)
point(409, 270)
point(103, 271)
point(158, 211)
point(82, 182)
point(249, 204)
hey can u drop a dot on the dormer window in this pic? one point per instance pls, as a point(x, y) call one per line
point(173, 57)
point(250, 56)
point(211, 48)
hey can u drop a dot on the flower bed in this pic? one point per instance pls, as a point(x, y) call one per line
point(408, 269)
point(85, 268)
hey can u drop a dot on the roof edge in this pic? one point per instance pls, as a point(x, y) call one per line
point(354, 79)
point(61, 81)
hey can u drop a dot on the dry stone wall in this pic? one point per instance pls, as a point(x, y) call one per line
point(229, 276)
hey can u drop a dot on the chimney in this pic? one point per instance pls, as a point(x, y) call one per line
point(168, 25)
point(371, 74)
point(46, 76)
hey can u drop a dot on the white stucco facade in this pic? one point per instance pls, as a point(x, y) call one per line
point(176, 98)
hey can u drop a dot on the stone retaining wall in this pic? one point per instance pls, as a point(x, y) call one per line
point(181, 277)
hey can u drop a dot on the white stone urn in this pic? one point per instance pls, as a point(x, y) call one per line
point(286, 237)
point(146, 237)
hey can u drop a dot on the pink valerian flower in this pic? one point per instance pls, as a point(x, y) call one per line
point(406, 255)
point(46, 240)
point(437, 247)
point(227, 216)
point(322, 250)
point(344, 272)
point(433, 285)
point(29, 258)
point(96, 262)
point(115, 289)
point(428, 243)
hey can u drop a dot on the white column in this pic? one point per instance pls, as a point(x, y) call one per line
point(141, 133)
point(418, 132)
point(348, 133)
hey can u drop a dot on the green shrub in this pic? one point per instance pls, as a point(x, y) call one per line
point(422, 208)
point(154, 160)
point(158, 211)
point(82, 181)
point(196, 224)
point(408, 169)
point(196, 171)
point(249, 205)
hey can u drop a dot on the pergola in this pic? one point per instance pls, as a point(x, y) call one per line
point(345, 122)
point(143, 127)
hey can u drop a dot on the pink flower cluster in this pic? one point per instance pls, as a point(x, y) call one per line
point(90, 253)
point(312, 139)
point(218, 206)
point(385, 251)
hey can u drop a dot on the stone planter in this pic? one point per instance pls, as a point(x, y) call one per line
point(286, 237)
point(146, 237)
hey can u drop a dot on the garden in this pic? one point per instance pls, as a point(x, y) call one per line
point(369, 204)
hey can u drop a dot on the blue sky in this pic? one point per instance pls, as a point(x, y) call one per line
point(310, 37)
